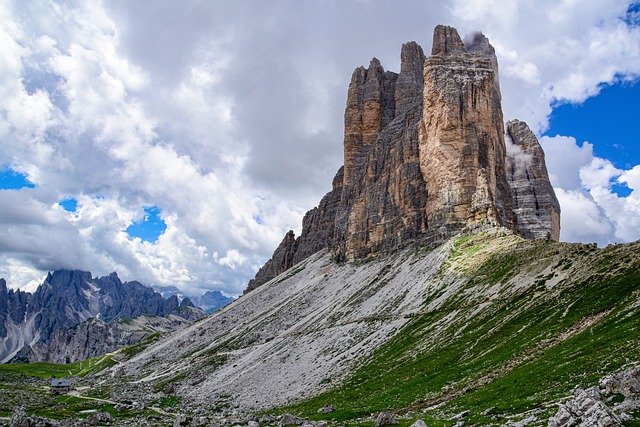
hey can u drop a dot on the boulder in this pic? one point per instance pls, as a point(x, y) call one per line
point(290, 420)
point(268, 418)
point(584, 411)
point(19, 417)
point(385, 419)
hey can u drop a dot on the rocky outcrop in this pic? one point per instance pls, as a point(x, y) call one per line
point(477, 43)
point(385, 419)
point(281, 261)
point(589, 407)
point(535, 205)
point(424, 157)
point(95, 337)
point(318, 225)
point(585, 410)
point(13, 308)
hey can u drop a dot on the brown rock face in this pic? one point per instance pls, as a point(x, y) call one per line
point(462, 147)
point(370, 107)
point(425, 156)
point(534, 202)
point(380, 207)
point(318, 225)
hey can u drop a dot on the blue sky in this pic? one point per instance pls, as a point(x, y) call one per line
point(13, 180)
point(149, 227)
point(610, 120)
point(178, 144)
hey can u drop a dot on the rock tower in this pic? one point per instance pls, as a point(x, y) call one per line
point(425, 155)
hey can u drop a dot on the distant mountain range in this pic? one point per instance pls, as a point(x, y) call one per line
point(209, 302)
point(51, 323)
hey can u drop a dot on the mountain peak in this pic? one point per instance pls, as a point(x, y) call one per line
point(446, 41)
point(425, 156)
point(28, 322)
point(68, 277)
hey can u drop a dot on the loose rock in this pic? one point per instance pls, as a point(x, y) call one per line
point(384, 419)
point(290, 420)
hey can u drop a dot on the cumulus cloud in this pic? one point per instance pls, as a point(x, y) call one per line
point(591, 209)
point(228, 117)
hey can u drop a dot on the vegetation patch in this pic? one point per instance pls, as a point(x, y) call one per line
point(47, 370)
point(132, 350)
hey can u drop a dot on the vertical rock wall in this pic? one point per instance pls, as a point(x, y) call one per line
point(382, 196)
point(535, 204)
point(462, 149)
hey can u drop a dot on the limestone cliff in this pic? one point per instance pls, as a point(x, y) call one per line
point(535, 204)
point(425, 156)
point(462, 148)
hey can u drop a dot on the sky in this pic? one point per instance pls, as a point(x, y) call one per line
point(176, 142)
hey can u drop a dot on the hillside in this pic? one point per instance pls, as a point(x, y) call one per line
point(487, 320)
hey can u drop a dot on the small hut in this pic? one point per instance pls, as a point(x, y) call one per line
point(60, 386)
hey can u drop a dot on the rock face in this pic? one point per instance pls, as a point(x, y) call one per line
point(281, 261)
point(66, 298)
point(95, 337)
point(425, 156)
point(462, 139)
point(585, 410)
point(589, 407)
point(534, 202)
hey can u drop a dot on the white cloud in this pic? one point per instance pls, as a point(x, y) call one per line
point(527, 72)
point(231, 122)
point(591, 210)
point(598, 174)
point(565, 158)
point(582, 220)
point(632, 179)
point(563, 49)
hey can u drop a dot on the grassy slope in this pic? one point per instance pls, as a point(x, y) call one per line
point(515, 352)
point(27, 384)
point(46, 370)
point(529, 321)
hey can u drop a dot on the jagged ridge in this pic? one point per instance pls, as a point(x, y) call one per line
point(66, 298)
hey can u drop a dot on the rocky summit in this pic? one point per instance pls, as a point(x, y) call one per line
point(48, 324)
point(426, 154)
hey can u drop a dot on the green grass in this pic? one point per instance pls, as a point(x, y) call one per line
point(46, 370)
point(167, 402)
point(512, 355)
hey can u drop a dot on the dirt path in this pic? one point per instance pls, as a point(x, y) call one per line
point(76, 393)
